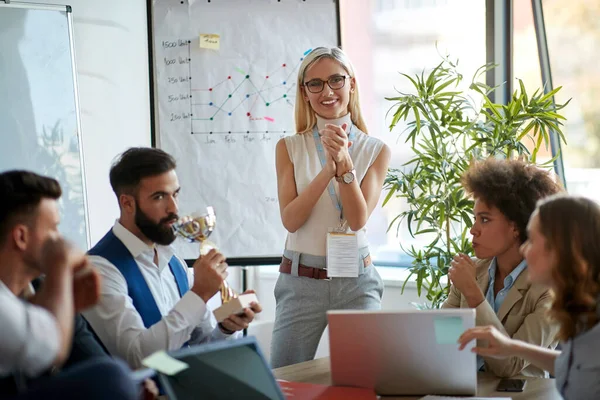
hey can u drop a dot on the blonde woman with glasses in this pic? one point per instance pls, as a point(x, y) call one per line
point(329, 176)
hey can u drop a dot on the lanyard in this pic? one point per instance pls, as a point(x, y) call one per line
point(321, 152)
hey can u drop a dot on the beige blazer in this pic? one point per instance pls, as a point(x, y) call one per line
point(522, 316)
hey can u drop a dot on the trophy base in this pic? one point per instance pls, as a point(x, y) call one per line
point(235, 306)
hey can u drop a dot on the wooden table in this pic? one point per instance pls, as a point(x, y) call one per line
point(318, 371)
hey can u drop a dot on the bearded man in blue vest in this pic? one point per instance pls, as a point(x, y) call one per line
point(149, 300)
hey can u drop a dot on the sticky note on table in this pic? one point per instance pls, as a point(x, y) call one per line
point(448, 329)
point(164, 363)
point(210, 41)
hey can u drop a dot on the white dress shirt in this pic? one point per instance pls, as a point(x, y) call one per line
point(29, 336)
point(117, 322)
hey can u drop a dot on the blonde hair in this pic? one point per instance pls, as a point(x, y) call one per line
point(304, 114)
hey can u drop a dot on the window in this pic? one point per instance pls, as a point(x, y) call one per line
point(385, 37)
point(572, 33)
point(526, 65)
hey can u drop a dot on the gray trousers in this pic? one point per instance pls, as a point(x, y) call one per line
point(301, 306)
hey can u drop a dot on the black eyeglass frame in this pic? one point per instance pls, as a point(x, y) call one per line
point(328, 82)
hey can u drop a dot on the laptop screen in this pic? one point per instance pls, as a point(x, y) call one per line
point(232, 369)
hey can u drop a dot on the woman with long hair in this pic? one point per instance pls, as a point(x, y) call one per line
point(563, 253)
point(329, 177)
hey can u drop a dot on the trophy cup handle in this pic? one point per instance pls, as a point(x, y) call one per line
point(195, 227)
point(227, 293)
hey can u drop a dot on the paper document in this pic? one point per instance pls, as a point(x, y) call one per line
point(164, 363)
point(342, 255)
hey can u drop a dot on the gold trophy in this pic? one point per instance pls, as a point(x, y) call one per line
point(196, 228)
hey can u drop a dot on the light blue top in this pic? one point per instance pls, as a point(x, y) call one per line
point(496, 301)
point(509, 281)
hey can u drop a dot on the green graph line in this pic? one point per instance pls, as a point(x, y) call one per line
point(282, 97)
point(229, 97)
point(256, 97)
point(241, 102)
point(258, 91)
point(266, 89)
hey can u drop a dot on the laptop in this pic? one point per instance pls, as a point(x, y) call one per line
point(228, 369)
point(403, 352)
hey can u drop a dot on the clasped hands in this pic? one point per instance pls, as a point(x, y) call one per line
point(336, 143)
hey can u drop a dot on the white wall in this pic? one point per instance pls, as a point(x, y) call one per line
point(111, 49)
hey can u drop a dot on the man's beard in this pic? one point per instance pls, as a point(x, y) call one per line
point(159, 233)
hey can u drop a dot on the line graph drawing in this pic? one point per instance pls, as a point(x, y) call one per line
point(241, 95)
point(223, 96)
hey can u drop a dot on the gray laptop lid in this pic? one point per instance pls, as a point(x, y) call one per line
point(402, 352)
point(228, 369)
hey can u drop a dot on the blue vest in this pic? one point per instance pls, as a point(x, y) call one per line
point(111, 248)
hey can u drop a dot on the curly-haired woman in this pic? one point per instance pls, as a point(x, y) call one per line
point(563, 253)
point(496, 282)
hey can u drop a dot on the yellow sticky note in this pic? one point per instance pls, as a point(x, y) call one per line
point(210, 41)
point(164, 363)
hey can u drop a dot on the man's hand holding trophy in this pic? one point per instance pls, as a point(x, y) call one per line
point(210, 272)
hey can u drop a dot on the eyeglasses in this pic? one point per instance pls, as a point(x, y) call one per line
point(335, 82)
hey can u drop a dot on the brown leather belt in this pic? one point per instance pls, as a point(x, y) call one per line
point(311, 272)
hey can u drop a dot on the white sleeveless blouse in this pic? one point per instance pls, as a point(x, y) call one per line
point(311, 237)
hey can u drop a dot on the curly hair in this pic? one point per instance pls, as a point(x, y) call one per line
point(512, 186)
point(571, 227)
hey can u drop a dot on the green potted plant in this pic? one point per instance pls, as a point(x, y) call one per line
point(447, 128)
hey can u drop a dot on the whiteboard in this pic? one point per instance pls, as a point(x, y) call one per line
point(221, 111)
point(39, 113)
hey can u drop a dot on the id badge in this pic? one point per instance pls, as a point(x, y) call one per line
point(342, 254)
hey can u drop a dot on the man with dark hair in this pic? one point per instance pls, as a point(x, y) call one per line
point(38, 335)
point(149, 300)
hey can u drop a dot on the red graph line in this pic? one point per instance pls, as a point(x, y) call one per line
point(257, 93)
